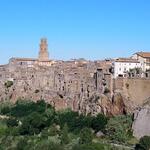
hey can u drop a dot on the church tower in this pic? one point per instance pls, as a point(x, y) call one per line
point(43, 53)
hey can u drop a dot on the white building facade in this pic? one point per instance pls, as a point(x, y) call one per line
point(123, 65)
point(144, 59)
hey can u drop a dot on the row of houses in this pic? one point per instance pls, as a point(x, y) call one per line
point(139, 61)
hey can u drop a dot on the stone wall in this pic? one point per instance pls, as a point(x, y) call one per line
point(135, 89)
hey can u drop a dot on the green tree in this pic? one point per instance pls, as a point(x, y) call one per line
point(33, 124)
point(47, 145)
point(11, 122)
point(86, 136)
point(22, 144)
point(92, 146)
point(67, 117)
point(144, 143)
point(3, 128)
point(119, 129)
point(99, 122)
point(64, 135)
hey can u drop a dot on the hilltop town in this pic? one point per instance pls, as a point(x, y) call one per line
point(74, 83)
point(111, 87)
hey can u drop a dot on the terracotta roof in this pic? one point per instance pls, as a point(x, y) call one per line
point(128, 60)
point(144, 54)
point(30, 59)
point(24, 59)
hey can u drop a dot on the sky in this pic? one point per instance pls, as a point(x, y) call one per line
point(90, 29)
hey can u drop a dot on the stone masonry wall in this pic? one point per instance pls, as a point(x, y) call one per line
point(135, 89)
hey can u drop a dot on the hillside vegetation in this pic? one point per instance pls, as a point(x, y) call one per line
point(28, 125)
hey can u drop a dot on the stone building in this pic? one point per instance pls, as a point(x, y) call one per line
point(43, 53)
point(42, 60)
point(123, 65)
point(144, 59)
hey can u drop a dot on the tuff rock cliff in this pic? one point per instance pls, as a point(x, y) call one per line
point(141, 124)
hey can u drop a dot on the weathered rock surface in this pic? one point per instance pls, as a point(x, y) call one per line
point(103, 104)
point(99, 134)
point(141, 124)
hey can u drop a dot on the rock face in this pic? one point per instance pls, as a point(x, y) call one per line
point(63, 84)
point(103, 104)
point(141, 124)
point(84, 86)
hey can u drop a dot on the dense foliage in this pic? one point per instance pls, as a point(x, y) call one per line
point(144, 143)
point(31, 125)
point(119, 128)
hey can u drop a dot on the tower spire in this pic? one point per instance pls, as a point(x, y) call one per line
point(43, 53)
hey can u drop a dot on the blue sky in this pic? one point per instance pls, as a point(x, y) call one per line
point(91, 29)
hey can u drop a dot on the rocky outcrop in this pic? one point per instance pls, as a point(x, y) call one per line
point(141, 125)
point(103, 104)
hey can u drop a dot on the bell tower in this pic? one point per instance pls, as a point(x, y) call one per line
point(43, 53)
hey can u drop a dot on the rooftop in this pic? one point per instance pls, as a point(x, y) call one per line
point(144, 54)
point(130, 60)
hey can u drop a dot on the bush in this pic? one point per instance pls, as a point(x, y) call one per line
point(92, 146)
point(64, 135)
point(53, 130)
point(68, 117)
point(106, 90)
point(99, 122)
point(33, 124)
point(3, 128)
point(144, 143)
point(86, 136)
point(11, 122)
point(47, 145)
point(6, 110)
point(22, 144)
point(8, 84)
point(119, 129)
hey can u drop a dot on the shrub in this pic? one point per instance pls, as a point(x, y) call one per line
point(67, 117)
point(99, 122)
point(22, 144)
point(5, 110)
point(33, 124)
point(144, 143)
point(47, 145)
point(92, 146)
point(11, 122)
point(3, 128)
point(119, 129)
point(106, 90)
point(64, 135)
point(86, 136)
point(8, 84)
